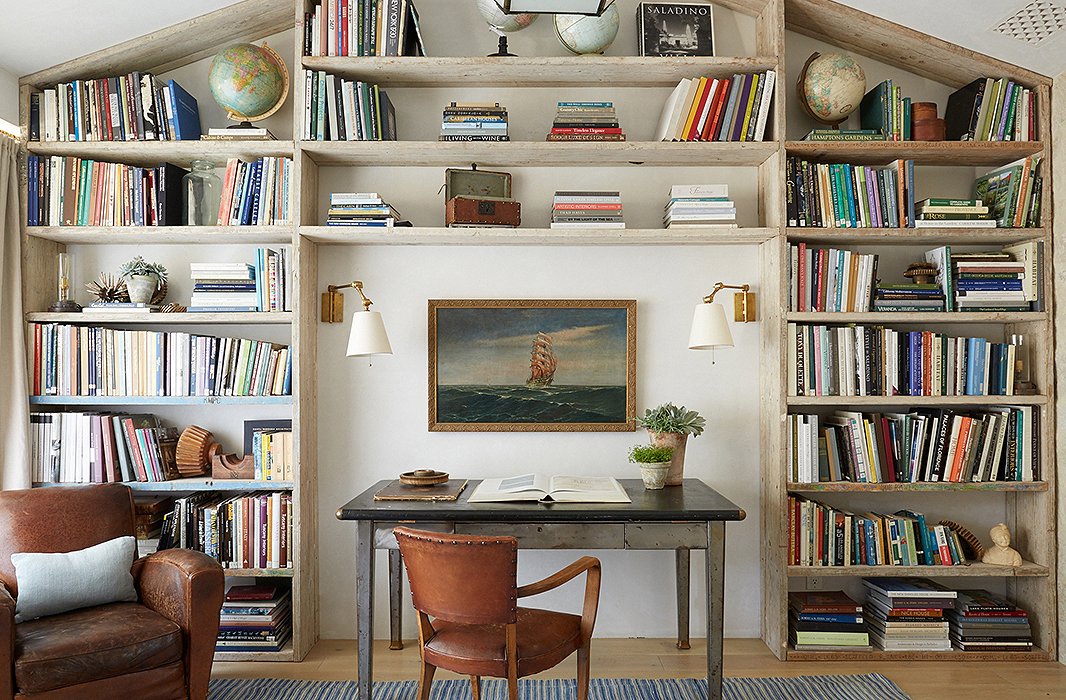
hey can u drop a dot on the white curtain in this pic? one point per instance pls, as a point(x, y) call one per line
point(14, 407)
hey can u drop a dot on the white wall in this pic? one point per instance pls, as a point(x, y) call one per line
point(9, 97)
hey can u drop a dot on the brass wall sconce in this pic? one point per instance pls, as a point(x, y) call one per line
point(368, 336)
point(709, 327)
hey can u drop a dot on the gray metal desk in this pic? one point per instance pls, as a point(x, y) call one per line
point(691, 516)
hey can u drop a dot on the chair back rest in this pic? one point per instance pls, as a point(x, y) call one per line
point(61, 519)
point(462, 578)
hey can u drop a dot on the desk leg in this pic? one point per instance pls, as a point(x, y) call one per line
point(395, 594)
point(715, 607)
point(681, 560)
point(364, 606)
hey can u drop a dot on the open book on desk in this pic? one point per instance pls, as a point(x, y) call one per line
point(559, 489)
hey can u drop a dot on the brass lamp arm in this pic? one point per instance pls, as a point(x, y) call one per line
point(357, 286)
point(719, 286)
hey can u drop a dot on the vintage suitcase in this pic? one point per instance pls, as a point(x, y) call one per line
point(480, 198)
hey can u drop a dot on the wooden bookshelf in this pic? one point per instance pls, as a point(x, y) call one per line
point(915, 236)
point(160, 400)
point(196, 484)
point(1036, 654)
point(969, 153)
point(163, 235)
point(917, 317)
point(974, 401)
point(340, 235)
point(256, 318)
point(150, 153)
point(916, 486)
point(971, 569)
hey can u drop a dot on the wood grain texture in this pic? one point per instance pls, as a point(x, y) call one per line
point(181, 153)
point(918, 486)
point(338, 235)
point(918, 317)
point(915, 236)
point(162, 235)
point(917, 400)
point(1027, 568)
point(975, 153)
point(190, 319)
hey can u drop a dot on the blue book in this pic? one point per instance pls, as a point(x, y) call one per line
point(915, 388)
point(249, 194)
point(185, 118)
point(257, 187)
point(871, 547)
point(287, 384)
point(260, 276)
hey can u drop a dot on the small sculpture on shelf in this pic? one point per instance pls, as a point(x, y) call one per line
point(109, 289)
point(1001, 553)
point(921, 273)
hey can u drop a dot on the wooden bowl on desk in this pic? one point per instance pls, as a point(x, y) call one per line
point(423, 477)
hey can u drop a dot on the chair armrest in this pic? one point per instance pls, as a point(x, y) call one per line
point(591, 565)
point(7, 644)
point(187, 588)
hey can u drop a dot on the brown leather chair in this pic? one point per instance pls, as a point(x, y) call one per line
point(159, 648)
point(469, 587)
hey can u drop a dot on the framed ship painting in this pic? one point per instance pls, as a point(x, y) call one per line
point(532, 365)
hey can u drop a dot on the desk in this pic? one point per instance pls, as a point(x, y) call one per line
point(681, 518)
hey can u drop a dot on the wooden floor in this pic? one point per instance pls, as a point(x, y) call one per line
point(657, 658)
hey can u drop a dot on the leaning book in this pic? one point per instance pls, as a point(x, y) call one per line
point(561, 489)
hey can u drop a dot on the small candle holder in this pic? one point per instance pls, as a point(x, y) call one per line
point(64, 304)
point(1023, 381)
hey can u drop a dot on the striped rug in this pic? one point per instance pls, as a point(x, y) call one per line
point(871, 686)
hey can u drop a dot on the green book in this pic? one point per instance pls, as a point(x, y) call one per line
point(906, 119)
point(933, 216)
point(874, 108)
point(941, 202)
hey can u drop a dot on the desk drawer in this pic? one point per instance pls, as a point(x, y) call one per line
point(553, 535)
point(666, 535)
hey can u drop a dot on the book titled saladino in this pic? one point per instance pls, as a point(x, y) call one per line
point(675, 29)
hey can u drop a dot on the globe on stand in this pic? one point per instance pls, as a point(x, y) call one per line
point(502, 23)
point(249, 82)
point(830, 87)
point(585, 34)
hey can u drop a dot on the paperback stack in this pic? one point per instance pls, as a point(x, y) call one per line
point(360, 209)
point(826, 621)
point(908, 297)
point(255, 618)
point(699, 206)
point(586, 121)
point(221, 287)
point(474, 121)
point(908, 614)
point(587, 210)
point(982, 621)
point(955, 213)
point(991, 281)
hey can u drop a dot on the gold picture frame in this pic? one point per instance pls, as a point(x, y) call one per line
point(493, 365)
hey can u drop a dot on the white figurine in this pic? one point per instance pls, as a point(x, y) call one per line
point(1001, 553)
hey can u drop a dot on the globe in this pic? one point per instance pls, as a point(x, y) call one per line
point(582, 34)
point(250, 82)
point(496, 17)
point(831, 86)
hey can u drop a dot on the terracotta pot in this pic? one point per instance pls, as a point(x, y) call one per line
point(677, 442)
point(654, 474)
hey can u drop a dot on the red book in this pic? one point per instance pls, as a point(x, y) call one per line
point(711, 128)
point(246, 530)
point(693, 132)
point(259, 591)
point(586, 130)
point(263, 535)
point(342, 29)
point(37, 348)
point(600, 206)
point(833, 602)
point(134, 449)
point(801, 274)
point(888, 456)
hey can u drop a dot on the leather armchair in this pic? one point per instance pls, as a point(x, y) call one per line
point(159, 648)
point(465, 590)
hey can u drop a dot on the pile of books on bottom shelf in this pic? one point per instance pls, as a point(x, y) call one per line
point(255, 618)
point(587, 210)
point(908, 614)
point(826, 621)
point(982, 621)
point(699, 206)
point(360, 209)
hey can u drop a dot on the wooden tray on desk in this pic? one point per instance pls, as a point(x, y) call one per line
point(395, 491)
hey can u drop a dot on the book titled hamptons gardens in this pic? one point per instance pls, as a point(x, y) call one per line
point(675, 29)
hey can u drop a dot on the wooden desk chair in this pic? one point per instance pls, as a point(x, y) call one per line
point(469, 586)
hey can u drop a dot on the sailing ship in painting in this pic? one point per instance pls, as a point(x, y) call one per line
point(542, 362)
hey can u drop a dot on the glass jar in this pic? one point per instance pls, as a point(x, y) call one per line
point(202, 194)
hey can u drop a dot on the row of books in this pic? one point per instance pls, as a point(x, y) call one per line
point(1010, 279)
point(474, 121)
point(71, 191)
point(877, 361)
point(360, 209)
point(586, 121)
point(718, 109)
point(1012, 193)
point(936, 445)
point(821, 535)
point(337, 109)
point(991, 109)
point(591, 209)
point(88, 361)
point(271, 452)
point(838, 195)
point(131, 107)
point(256, 193)
point(240, 531)
point(700, 206)
point(83, 448)
point(884, 109)
point(831, 279)
point(255, 617)
point(362, 28)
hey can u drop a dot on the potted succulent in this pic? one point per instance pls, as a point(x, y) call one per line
point(143, 279)
point(654, 464)
point(670, 426)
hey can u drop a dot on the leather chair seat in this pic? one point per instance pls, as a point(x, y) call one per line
point(544, 639)
point(93, 644)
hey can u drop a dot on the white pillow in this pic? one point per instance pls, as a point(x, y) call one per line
point(51, 583)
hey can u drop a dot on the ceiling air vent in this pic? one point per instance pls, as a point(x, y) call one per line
point(1035, 22)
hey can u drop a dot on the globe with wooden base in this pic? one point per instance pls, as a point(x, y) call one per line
point(830, 87)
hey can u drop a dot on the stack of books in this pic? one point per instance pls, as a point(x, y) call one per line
point(586, 121)
point(593, 209)
point(474, 121)
point(830, 279)
point(991, 281)
point(908, 297)
point(839, 195)
point(1012, 193)
point(219, 287)
point(700, 206)
point(956, 213)
point(991, 110)
point(718, 109)
point(908, 614)
point(982, 621)
point(256, 193)
point(884, 109)
point(826, 621)
point(255, 618)
point(844, 135)
point(360, 209)
point(337, 109)
point(148, 514)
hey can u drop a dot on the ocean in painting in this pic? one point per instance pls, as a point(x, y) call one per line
point(521, 404)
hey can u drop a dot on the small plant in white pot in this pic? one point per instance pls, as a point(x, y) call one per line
point(670, 426)
point(654, 464)
point(143, 279)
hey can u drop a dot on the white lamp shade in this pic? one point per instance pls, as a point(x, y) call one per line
point(709, 328)
point(368, 335)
